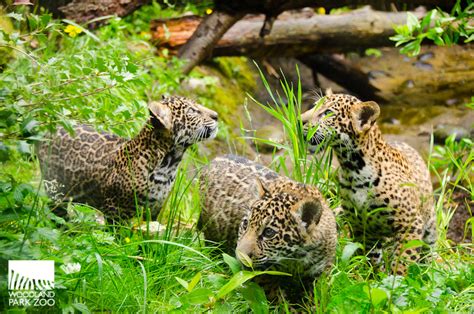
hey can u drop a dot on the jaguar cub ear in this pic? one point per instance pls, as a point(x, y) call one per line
point(309, 210)
point(261, 189)
point(364, 115)
point(160, 115)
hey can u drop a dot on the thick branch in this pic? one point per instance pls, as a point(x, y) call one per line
point(209, 31)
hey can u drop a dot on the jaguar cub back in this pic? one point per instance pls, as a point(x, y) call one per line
point(114, 174)
point(276, 222)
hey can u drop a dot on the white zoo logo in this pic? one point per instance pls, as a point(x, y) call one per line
point(31, 275)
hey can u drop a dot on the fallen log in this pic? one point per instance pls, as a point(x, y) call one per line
point(293, 34)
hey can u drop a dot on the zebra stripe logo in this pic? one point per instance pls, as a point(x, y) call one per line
point(31, 275)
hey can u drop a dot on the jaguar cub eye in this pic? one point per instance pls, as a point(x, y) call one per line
point(245, 223)
point(327, 112)
point(191, 110)
point(269, 233)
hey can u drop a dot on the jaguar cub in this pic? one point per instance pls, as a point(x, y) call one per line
point(114, 174)
point(385, 187)
point(278, 223)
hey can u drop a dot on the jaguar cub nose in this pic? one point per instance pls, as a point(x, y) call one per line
point(214, 116)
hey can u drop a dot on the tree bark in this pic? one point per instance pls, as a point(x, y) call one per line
point(82, 11)
point(209, 31)
point(293, 34)
point(274, 7)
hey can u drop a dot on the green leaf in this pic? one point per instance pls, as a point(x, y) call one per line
point(232, 262)
point(15, 16)
point(194, 281)
point(21, 191)
point(412, 22)
point(236, 281)
point(438, 41)
point(197, 296)
point(469, 39)
point(376, 295)
point(349, 250)
point(244, 258)
point(182, 282)
point(241, 277)
point(425, 22)
point(45, 19)
point(81, 307)
point(222, 308)
point(255, 296)
point(412, 48)
point(413, 243)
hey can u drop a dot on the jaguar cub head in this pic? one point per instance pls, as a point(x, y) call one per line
point(187, 121)
point(340, 119)
point(275, 229)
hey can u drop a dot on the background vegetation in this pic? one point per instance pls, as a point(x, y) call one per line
point(59, 73)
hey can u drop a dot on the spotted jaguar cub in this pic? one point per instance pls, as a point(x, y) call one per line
point(385, 187)
point(114, 174)
point(278, 223)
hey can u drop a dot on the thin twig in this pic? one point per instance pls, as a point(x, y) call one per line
point(23, 52)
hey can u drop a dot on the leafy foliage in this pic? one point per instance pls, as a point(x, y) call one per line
point(64, 74)
point(440, 27)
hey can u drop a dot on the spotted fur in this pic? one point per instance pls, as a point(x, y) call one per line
point(278, 223)
point(388, 180)
point(112, 173)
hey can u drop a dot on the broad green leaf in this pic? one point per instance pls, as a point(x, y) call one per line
point(412, 21)
point(413, 243)
point(182, 282)
point(244, 258)
point(241, 277)
point(349, 250)
point(255, 296)
point(222, 308)
point(15, 16)
point(376, 295)
point(232, 262)
point(81, 307)
point(194, 282)
point(236, 281)
point(197, 296)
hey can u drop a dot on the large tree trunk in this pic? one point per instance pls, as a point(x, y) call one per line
point(82, 11)
point(293, 34)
